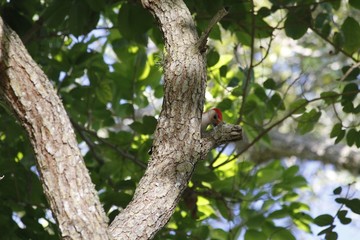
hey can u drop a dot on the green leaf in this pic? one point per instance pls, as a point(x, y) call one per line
point(357, 141)
point(215, 33)
point(291, 171)
point(282, 234)
point(326, 30)
point(299, 106)
point(352, 136)
point(336, 130)
point(322, 19)
point(353, 74)
point(295, 182)
point(338, 41)
point(342, 217)
point(223, 71)
point(297, 22)
point(264, 12)
point(134, 21)
point(270, 84)
point(355, 3)
point(260, 93)
point(243, 37)
point(149, 123)
point(354, 205)
point(200, 232)
point(330, 96)
point(277, 102)
point(335, 4)
point(278, 214)
point(233, 82)
point(341, 200)
point(351, 30)
point(324, 220)
point(224, 209)
point(96, 5)
point(212, 58)
point(307, 121)
point(81, 18)
point(331, 236)
point(266, 175)
point(237, 91)
point(250, 106)
point(326, 230)
point(252, 234)
point(322, 22)
point(256, 220)
point(147, 126)
point(225, 104)
point(349, 93)
point(104, 92)
point(337, 190)
point(340, 136)
point(56, 12)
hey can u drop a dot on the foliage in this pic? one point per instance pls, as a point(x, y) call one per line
point(328, 221)
point(105, 59)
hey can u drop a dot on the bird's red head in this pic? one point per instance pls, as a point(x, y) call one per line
point(219, 115)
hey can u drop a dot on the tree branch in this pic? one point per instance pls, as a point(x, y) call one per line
point(221, 134)
point(201, 44)
point(332, 44)
point(308, 148)
point(92, 145)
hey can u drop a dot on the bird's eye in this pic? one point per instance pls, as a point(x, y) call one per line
point(215, 116)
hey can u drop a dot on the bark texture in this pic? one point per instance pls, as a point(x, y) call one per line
point(65, 179)
point(178, 144)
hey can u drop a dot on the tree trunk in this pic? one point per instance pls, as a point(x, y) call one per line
point(177, 146)
point(65, 179)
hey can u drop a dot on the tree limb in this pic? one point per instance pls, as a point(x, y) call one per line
point(201, 44)
point(308, 148)
point(222, 134)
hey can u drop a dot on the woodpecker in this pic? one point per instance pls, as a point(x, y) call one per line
point(213, 117)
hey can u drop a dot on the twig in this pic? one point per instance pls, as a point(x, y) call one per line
point(112, 146)
point(91, 145)
point(349, 71)
point(269, 45)
point(265, 131)
point(332, 44)
point(248, 75)
point(219, 154)
point(201, 44)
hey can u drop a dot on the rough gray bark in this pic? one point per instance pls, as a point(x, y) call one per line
point(176, 147)
point(178, 144)
point(65, 179)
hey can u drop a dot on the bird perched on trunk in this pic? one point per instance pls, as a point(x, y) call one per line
point(213, 117)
